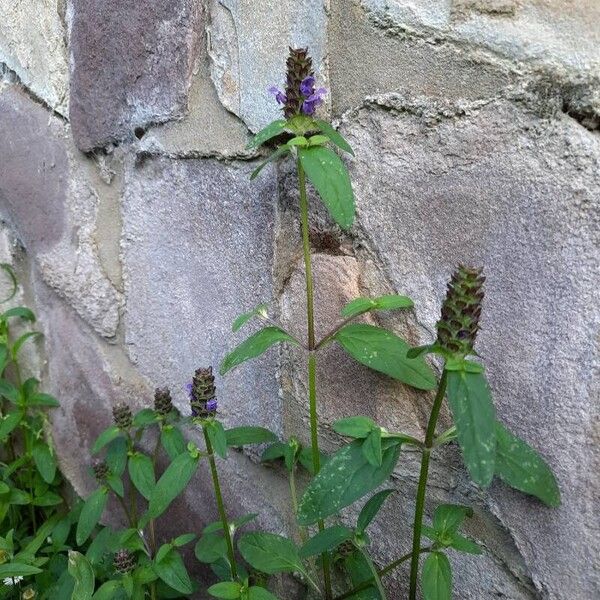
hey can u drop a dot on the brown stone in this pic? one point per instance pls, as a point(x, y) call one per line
point(131, 65)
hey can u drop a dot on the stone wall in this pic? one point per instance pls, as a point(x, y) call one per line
point(127, 210)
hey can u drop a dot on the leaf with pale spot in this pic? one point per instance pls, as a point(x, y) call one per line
point(521, 467)
point(474, 416)
point(385, 352)
point(254, 346)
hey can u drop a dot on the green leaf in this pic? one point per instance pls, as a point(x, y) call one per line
point(107, 436)
point(521, 467)
point(299, 140)
point(384, 351)
point(449, 517)
point(41, 399)
point(270, 553)
point(258, 311)
point(259, 593)
point(16, 569)
point(21, 340)
point(4, 358)
point(82, 572)
point(437, 577)
point(371, 508)
point(241, 436)
point(141, 472)
point(372, 447)
point(254, 346)
point(173, 481)
point(273, 452)
point(116, 456)
point(227, 590)
point(145, 417)
point(362, 305)
point(47, 499)
point(463, 544)
point(210, 548)
point(355, 427)
point(172, 441)
point(217, 437)
point(9, 422)
point(173, 572)
point(107, 591)
point(44, 461)
point(334, 136)
point(19, 311)
point(183, 539)
point(318, 140)
point(474, 416)
point(270, 131)
point(330, 178)
point(9, 391)
point(13, 280)
point(90, 514)
point(233, 525)
point(346, 477)
point(281, 151)
point(326, 540)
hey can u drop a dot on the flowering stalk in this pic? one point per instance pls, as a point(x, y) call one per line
point(457, 330)
point(203, 401)
point(312, 360)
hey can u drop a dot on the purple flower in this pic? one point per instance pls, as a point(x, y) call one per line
point(188, 388)
point(279, 95)
point(307, 87)
point(309, 106)
point(211, 405)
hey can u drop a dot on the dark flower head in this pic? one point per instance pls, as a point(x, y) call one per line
point(122, 415)
point(125, 561)
point(300, 96)
point(459, 323)
point(163, 403)
point(101, 470)
point(202, 391)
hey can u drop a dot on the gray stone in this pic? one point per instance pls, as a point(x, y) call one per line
point(438, 70)
point(209, 129)
point(541, 32)
point(500, 188)
point(51, 199)
point(131, 66)
point(35, 49)
point(248, 45)
point(197, 239)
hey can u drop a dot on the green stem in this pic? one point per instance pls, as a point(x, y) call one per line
point(312, 361)
point(220, 505)
point(375, 573)
point(152, 524)
point(367, 584)
point(422, 487)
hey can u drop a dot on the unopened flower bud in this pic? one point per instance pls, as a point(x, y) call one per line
point(125, 561)
point(203, 399)
point(28, 594)
point(122, 415)
point(163, 403)
point(458, 326)
point(101, 470)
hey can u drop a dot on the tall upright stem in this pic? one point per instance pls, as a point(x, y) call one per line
point(220, 505)
point(312, 360)
point(422, 488)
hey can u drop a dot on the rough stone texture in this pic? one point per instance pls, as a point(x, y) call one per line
point(32, 44)
point(247, 41)
point(498, 188)
point(475, 125)
point(131, 64)
point(51, 198)
point(197, 238)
